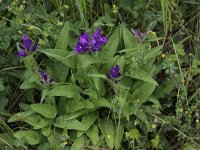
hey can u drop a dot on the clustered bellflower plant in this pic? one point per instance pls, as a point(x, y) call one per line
point(27, 48)
point(138, 34)
point(45, 78)
point(87, 44)
point(114, 74)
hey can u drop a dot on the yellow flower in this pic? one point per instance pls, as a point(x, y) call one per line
point(153, 126)
point(108, 136)
point(31, 27)
point(181, 110)
point(64, 143)
point(154, 33)
point(163, 55)
point(114, 9)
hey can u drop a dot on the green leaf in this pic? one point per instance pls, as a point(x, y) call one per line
point(110, 48)
point(152, 53)
point(88, 104)
point(101, 102)
point(38, 122)
point(97, 76)
point(179, 48)
point(53, 143)
point(144, 91)
point(89, 60)
point(43, 146)
point(79, 143)
point(118, 137)
point(129, 41)
point(20, 116)
point(60, 55)
point(46, 131)
point(61, 71)
point(107, 129)
point(74, 105)
point(93, 134)
point(90, 92)
point(140, 74)
point(31, 80)
point(134, 134)
point(63, 37)
point(142, 116)
point(155, 142)
point(70, 91)
point(72, 124)
point(28, 136)
point(75, 114)
point(45, 110)
point(165, 88)
point(98, 84)
point(30, 62)
point(88, 121)
point(189, 147)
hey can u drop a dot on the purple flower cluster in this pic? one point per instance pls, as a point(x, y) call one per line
point(44, 78)
point(114, 74)
point(27, 47)
point(87, 44)
point(138, 34)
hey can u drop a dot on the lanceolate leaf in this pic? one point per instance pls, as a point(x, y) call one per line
point(31, 137)
point(93, 134)
point(63, 37)
point(111, 47)
point(129, 39)
point(45, 110)
point(140, 74)
point(60, 55)
point(70, 91)
point(107, 129)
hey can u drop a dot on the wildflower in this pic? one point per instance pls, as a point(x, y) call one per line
point(153, 126)
point(108, 136)
point(114, 74)
point(154, 33)
point(114, 9)
point(138, 34)
point(181, 110)
point(87, 44)
point(44, 78)
point(83, 44)
point(163, 55)
point(27, 47)
point(190, 54)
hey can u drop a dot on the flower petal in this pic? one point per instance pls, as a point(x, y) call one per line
point(21, 46)
point(97, 33)
point(27, 42)
point(84, 39)
point(34, 47)
point(20, 53)
point(78, 48)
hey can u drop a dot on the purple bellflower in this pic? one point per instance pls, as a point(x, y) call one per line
point(114, 74)
point(138, 34)
point(27, 47)
point(44, 78)
point(87, 44)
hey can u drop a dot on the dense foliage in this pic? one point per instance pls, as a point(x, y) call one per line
point(88, 75)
